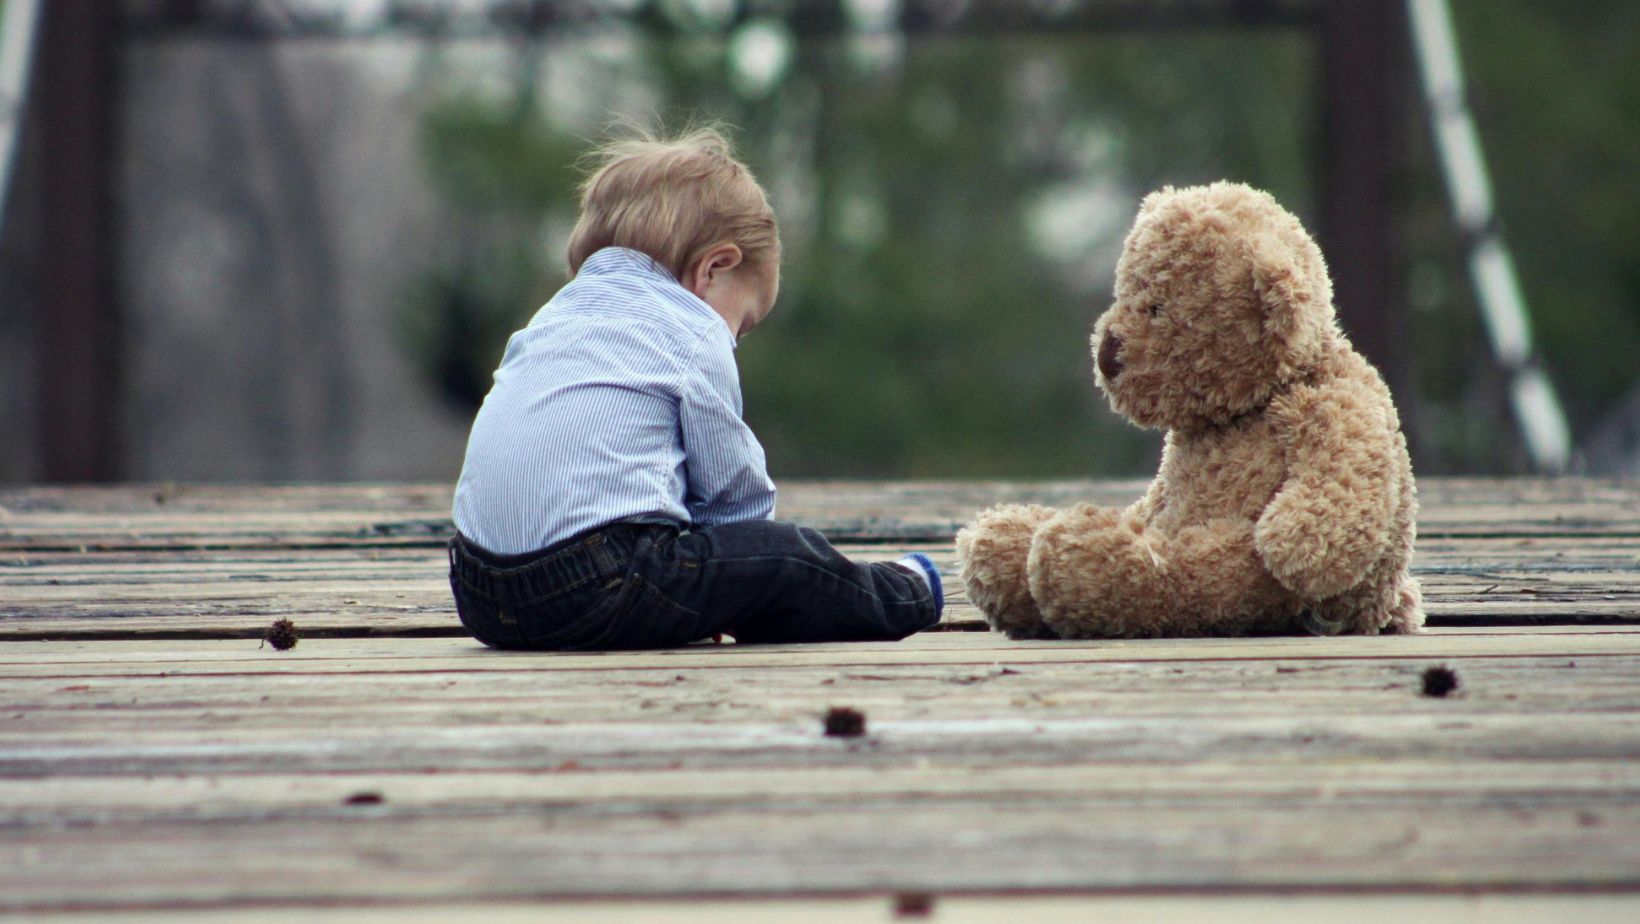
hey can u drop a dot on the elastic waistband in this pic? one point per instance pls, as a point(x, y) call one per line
point(602, 554)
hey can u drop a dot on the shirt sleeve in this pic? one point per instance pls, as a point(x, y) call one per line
point(727, 472)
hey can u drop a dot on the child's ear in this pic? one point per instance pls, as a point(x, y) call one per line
point(722, 257)
point(719, 259)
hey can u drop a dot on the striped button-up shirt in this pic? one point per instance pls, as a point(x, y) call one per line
point(620, 400)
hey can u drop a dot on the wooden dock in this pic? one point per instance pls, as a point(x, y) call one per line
point(157, 762)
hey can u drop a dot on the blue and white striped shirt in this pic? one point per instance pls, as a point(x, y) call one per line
point(619, 400)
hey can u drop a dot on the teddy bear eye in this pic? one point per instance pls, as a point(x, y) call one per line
point(1155, 310)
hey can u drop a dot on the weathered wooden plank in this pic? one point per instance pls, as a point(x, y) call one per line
point(387, 515)
point(649, 715)
point(666, 745)
point(646, 846)
point(1465, 907)
point(710, 850)
point(351, 612)
point(273, 726)
point(48, 578)
point(1473, 552)
point(350, 647)
point(45, 582)
point(1261, 784)
point(236, 593)
point(1238, 688)
point(31, 659)
point(374, 696)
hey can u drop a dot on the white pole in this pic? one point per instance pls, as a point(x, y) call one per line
point(1491, 269)
point(16, 50)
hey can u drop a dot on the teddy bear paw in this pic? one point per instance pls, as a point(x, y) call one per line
point(991, 555)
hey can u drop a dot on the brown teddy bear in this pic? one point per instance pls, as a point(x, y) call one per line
point(1285, 500)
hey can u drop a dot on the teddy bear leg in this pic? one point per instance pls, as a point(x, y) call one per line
point(1101, 575)
point(991, 554)
point(1094, 574)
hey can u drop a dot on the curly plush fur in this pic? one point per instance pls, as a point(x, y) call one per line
point(1285, 501)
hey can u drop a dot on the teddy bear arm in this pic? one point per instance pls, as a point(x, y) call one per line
point(1146, 507)
point(1333, 517)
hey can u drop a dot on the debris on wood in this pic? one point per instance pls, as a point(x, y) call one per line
point(843, 722)
point(996, 670)
point(1440, 680)
point(364, 798)
point(281, 635)
point(913, 905)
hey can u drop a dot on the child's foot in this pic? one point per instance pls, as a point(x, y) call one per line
point(923, 567)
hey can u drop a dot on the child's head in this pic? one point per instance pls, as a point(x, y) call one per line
point(676, 200)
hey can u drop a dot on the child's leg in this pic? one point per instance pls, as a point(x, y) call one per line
point(766, 581)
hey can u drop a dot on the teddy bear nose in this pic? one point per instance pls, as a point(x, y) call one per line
point(1109, 365)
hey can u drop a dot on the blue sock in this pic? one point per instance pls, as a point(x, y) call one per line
point(924, 565)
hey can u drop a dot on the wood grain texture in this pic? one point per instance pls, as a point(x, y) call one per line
point(188, 516)
point(176, 774)
point(1255, 908)
point(156, 763)
point(1240, 908)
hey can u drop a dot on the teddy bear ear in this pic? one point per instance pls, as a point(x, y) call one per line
point(1280, 289)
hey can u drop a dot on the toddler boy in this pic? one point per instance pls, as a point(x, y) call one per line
point(612, 496)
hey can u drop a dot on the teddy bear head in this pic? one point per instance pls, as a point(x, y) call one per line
point(1221, 300)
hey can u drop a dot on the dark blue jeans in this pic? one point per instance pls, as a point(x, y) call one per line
point(654, 586)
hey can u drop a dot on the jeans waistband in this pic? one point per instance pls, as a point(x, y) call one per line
point(602, 554)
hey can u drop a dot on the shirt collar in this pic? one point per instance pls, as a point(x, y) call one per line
point(609, 261)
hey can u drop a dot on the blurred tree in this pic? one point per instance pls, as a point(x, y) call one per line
point(506, 171)
point(953, 207)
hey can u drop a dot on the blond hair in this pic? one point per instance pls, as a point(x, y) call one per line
point(673, 199)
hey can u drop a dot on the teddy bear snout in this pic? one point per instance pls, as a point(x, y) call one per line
point(1109, 364)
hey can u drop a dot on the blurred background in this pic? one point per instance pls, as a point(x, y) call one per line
point(287, 239)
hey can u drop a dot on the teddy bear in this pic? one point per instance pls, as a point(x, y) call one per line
point(1285, 500)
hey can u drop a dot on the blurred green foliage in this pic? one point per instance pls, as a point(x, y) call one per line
point(952, 209)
